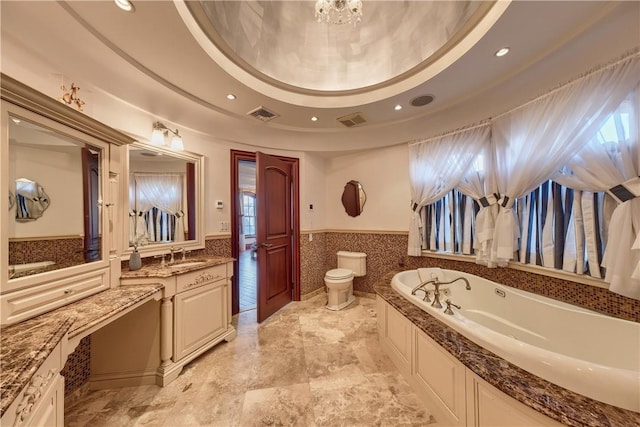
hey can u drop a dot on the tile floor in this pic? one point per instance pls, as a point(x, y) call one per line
point(304, 366)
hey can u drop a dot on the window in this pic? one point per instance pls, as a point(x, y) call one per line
point(546, 216)
point(248, 214)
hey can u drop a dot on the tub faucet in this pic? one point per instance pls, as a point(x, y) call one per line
point(448, 309)
point(421, 287)
point(468, 287)
point(436, 295)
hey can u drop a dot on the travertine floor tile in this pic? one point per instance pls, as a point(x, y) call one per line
point(304, 366)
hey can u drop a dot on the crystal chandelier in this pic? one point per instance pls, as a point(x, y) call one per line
point(339, 11)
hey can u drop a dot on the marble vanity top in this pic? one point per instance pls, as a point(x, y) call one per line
point(562, 405)
point(26, 345)
point(179, 267)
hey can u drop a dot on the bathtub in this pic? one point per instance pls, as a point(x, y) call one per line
point(583, 351)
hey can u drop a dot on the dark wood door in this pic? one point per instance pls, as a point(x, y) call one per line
point(273, 234)
point(91, 190)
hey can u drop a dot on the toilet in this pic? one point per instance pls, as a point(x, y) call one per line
point(339, 281)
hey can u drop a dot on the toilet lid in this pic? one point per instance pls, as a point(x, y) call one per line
point(339, 273)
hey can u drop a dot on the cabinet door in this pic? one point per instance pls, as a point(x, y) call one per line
point(49, 411)
point(441, 377)
point(490, 407)
point(395, 336)
point(200, 315)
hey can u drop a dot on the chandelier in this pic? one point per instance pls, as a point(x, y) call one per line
point(339, 11)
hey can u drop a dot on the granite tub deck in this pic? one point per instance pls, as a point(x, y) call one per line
point(26, 345)
point(558, 403)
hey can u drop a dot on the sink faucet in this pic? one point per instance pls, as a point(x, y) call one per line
point(175, 251)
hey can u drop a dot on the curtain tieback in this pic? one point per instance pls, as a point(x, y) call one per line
point(414, 206)
point(179, 214)
point(132, 213)
point(505, 202)
point(626, 191)
point(489, 200)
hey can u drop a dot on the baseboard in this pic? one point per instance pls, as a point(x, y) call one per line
point(364, 294)
point(107, 381)
point(320, 290)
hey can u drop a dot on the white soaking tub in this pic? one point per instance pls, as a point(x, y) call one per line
point(586, 352)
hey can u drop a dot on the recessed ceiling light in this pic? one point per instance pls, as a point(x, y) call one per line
point(231, 97)
point(314, 119)
point(398, 107)
point(125, 5)
point(502, 52)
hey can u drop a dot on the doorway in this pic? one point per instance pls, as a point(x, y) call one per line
point(247, 283)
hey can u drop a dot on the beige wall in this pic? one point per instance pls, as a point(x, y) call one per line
point(384, 176)
point(64, 216)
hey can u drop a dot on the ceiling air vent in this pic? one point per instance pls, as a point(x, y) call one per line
point(352, 120)
point(263, 114)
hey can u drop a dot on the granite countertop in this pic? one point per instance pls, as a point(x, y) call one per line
point(178, 267)
point(26, 345)
point(556, 402)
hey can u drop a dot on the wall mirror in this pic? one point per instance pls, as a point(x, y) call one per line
point(62, 226)
point(164, 206)
point(353, 198)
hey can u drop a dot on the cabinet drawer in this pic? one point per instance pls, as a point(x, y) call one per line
point(201, 277)
point(26, 303)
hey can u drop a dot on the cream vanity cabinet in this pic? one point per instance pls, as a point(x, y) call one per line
point(201, 310)
point(41, 402)
point(194, 313)
point(454, 394)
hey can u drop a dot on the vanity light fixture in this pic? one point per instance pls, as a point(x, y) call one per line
point(314, 119)
point(231, 97)
point(398, 107)
point(125, 5)
point(16, 121)
point(161, 132)
point(502, 52)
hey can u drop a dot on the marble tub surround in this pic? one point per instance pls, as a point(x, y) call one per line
point(24, 347)
point(304, 366)
point(27, 344)
point(549, 399)
point(155, 269)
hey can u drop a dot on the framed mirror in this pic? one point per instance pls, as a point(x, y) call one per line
point(353, 198)
point(164, 200)
point(63, 226)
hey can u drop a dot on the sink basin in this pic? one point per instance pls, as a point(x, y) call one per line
point(187, 264)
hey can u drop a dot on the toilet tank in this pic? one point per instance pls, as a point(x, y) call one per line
point(354, 261)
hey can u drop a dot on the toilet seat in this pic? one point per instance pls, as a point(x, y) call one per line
point(339, 273)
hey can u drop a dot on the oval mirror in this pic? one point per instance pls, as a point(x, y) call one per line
point(353, 198)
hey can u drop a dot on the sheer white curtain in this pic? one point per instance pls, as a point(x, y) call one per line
point(479, 183)
point(436, 166)
point(138, 206)
point(164, 191)
point(534, 141)
point(611, 158)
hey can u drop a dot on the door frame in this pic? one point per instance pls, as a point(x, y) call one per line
point(236, 157)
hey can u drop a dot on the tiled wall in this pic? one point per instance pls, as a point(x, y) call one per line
point(313, 262)
point(386, 252)
point(63, 251)
point(77, 370)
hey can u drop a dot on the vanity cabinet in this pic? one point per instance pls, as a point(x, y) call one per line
point(453, 393)
point(194, 315)
point(200, 315)
point(41, 402)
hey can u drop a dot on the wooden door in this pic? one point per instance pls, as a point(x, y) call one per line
point(91, 190)
point(274, 234)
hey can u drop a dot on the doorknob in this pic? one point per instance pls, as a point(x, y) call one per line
point(264, 245)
